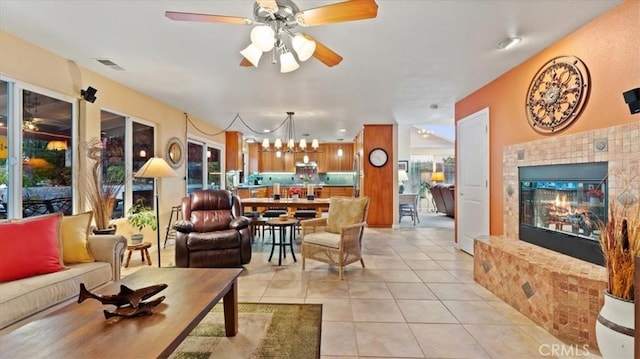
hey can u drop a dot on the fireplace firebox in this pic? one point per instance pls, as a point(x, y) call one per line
point(561, 207)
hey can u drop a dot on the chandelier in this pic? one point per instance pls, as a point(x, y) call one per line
point(274, 27)
point(289, 144)
point(29, 125)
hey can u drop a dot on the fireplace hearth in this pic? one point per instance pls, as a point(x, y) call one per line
point(561, 207)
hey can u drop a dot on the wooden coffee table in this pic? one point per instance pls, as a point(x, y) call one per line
point(80, 330)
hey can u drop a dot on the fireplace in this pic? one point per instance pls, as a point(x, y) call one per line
point(561, 207)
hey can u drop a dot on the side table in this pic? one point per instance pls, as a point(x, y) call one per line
point(144, 251)
point(282, 230)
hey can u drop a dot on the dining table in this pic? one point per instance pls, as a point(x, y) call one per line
point(290, 203)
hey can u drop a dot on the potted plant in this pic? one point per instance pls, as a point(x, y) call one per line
point(102, 195)
point(294, 192)
point(620, 243)
point(424, 187)
point(141, 216)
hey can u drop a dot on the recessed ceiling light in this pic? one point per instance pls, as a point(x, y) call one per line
point(343, 130)
point(509, 43)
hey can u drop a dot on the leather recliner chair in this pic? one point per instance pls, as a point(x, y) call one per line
point(444, 198)
point(213, 233)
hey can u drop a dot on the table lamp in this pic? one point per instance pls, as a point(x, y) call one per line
point(155, 168)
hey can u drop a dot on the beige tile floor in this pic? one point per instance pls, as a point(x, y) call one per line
point(416, 298)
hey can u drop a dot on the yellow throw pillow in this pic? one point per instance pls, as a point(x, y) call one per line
point(75, 230)
point(344, 211)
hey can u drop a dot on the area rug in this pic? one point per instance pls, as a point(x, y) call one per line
point(265, 330)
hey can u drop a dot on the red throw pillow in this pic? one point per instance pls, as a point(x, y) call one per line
point(30, 247)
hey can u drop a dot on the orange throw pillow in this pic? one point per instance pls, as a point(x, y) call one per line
point(30, 247)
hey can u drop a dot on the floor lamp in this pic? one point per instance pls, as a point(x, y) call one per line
point(155, 168)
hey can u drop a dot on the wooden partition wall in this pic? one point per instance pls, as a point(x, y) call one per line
point(378, 181)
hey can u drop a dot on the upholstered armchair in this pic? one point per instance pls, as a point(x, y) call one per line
point(336, 239)
point(212, 233)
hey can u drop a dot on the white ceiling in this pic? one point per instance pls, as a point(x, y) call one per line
point(414, 54)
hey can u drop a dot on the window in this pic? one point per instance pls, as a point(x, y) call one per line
point(4, 151)
point(120, 148)
point(201, 155)
point(36, 135)
point(112, 136)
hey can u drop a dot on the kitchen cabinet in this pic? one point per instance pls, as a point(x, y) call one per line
point(253, 151)
point(233, 151)
point(326, 158)
point(269, 162)
point(337, 163)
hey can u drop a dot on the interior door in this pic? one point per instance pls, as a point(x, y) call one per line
point(472, 186)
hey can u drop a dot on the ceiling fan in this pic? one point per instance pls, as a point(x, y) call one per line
point(276, 20)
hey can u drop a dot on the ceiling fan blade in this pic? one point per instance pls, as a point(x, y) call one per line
point(325, 54)
point(188, 16)
point(340, 12)
point(245, 63)
point(268, 4)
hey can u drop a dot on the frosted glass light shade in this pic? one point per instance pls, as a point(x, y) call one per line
point(252, 53)
point(278, 154)
point(305, 159)
point(315, 144)
point(265, 143)
point(303, 143)
point(291, 143)
point(303, 46)
point(288, 63)
point(263, 38)
point(278, 143)
point(340, 152)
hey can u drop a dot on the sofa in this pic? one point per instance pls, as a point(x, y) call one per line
point(213, 232)
point(444, 198)
point(98, 263)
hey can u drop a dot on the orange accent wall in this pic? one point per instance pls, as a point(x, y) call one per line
point(608, 46)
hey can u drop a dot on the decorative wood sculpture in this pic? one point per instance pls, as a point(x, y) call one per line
point(129, 302)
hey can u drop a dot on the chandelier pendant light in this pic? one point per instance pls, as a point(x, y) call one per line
point(289, 141)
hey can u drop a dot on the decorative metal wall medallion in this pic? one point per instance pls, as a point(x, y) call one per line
point(557, 94)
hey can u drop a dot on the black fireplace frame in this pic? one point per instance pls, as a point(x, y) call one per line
point(572, 245)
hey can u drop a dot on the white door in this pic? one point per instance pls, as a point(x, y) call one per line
point(472, 187)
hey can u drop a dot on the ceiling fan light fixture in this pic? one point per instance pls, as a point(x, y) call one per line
point(252, 53)
point(262, 37)
point(303, 47)
point(288, 63)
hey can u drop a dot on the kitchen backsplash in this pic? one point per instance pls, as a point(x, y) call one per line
point(286, 179)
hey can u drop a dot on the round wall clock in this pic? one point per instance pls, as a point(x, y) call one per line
point(378, 157)
point(557, 94)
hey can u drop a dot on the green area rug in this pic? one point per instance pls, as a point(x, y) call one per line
point(266, 330)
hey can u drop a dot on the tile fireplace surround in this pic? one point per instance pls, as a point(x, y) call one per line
point(558, 292)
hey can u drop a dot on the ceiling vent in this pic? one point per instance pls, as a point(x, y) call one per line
point(111, 64)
